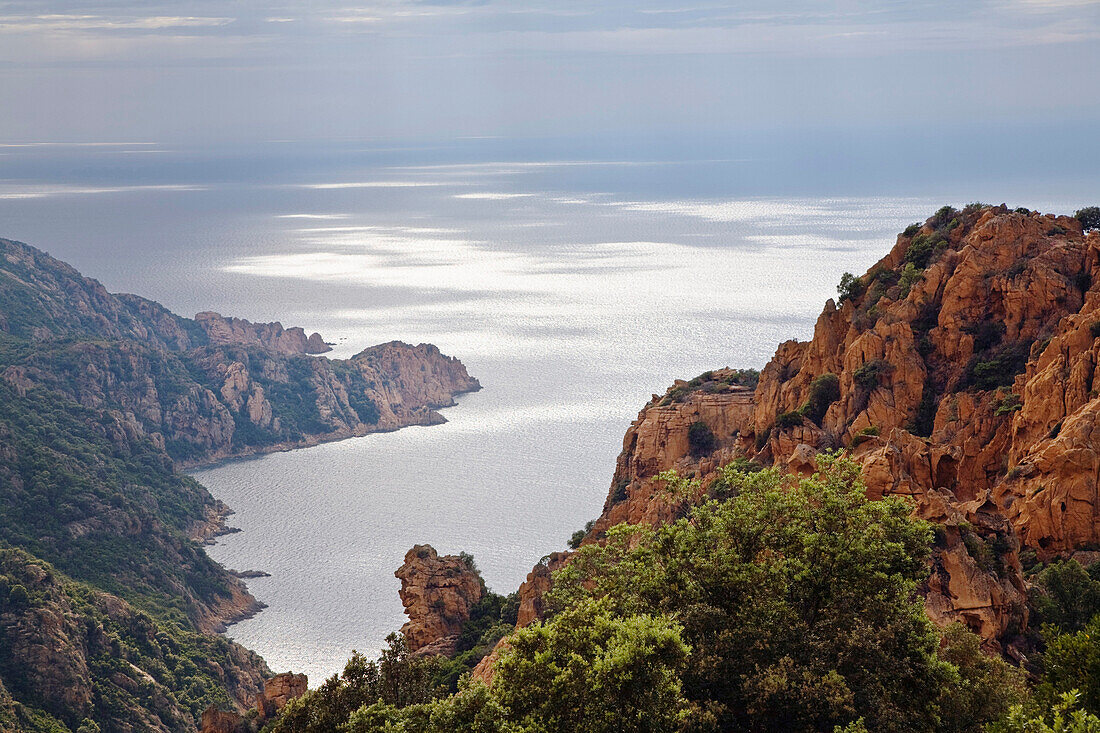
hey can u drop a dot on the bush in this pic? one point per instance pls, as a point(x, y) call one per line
point(943, 217)
point(910, 274)
point(701, 440)
point(922, 248)
point(1071, 662)
point(1066, 595)
point(1006, 403)
point(870, 374)
point(578, 537)
point(1064, 716)
point(797, 599)
point(788, 420)
point(824, 391)
point(1094, 329)
point(850, 287)
point(1089, 217)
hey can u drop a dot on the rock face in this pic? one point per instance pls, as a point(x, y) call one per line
point(221, 330)
point(964, 372)
point(278, 691)
point(65, 643)
point(438, 593)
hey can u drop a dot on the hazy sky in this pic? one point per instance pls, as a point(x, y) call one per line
point(199, 70)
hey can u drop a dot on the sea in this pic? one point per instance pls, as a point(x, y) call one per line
point(574, 278)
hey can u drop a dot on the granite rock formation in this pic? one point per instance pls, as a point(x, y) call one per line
point(438, 593)
point(960, 371)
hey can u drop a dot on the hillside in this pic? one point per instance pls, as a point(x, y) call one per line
point(108, 602)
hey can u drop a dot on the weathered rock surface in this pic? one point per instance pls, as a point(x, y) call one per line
point(278, 691)
point(438, 593)
point(221, 330)
point(969, 386)
point(59, 638)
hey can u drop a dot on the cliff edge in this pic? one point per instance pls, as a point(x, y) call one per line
point(960, 371)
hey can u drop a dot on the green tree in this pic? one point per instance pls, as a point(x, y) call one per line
point(1089, 217)
point(1063, 717)
point(797, 598)
point(850, 287)
point(987, 689)
point(1071, 662)
point(1066, 595)
point(590, 669)
point(396, 680)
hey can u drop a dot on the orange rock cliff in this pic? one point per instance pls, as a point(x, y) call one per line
point(438, 593)
point(960, 372)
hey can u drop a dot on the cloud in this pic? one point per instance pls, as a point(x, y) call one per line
point(64, 22)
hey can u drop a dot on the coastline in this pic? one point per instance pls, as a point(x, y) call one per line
point(426, 416)
point(242, 605)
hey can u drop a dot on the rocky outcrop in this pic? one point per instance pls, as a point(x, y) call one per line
point(438, 593)
point(222, 721)
point(214, 387)
point(960, 372)
point(277, 692)
point(222, 331)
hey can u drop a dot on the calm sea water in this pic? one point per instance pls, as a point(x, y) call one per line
point(573, 285)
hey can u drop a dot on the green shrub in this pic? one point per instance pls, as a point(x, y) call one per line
point(923, 248)
point(619, 490)
point(762, 438)
point(788, 420)
point(777, 589)
point(1094, 329)
point(944, 217)
point(1061, 716)
point(1065, 594)
point(850, 287)
point(1089, 217)
point(1006, 403)
point(910, 274)
point(578, 537)
point(870, 374)
point(701, 439)
point(884, 277)
point(824, 391)
point(999, 369)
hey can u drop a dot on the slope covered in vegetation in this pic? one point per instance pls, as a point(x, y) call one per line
point(108, 604)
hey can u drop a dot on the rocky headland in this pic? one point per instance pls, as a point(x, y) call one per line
point(110, 607)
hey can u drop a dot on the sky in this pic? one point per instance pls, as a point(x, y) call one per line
point(221, 71)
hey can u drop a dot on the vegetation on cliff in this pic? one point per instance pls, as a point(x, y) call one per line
point(959, 377)
point(788, 606)
point(108, 603)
